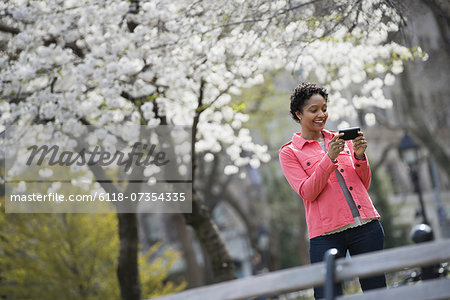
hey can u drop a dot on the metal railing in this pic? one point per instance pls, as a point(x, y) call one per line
point(365, 265)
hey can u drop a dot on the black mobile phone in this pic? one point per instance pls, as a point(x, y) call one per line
point(349, 133)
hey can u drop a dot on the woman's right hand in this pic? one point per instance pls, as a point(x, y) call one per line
point(335, 146)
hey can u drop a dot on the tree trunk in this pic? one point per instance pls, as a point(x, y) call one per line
point(441, 12)
point(209, 236)
point(200, 219)
point(194, 271)
point(419, 127)
point(127, 270)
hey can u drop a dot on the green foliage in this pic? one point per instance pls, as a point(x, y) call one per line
point(395, 234)
point(285, 217)
point(154, 276)
point(250, 99)
point(70, 256)
point(239, 107)
point(50, 256)
point(268, 108)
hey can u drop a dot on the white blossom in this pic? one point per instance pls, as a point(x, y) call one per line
point(21, 187)
point(389, 79)
point(208, 157)
point(156, 71)
point(45, 173)
point(343, 125)
point(230, 170)
point(370, 119)
point(397, 67)
point(254, 163)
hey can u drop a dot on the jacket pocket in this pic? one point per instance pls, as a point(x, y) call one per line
point(310, 164)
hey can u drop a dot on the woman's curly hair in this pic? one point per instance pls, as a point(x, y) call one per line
point(302, 93)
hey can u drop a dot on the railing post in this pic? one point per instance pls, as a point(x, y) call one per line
point(423, 233)
point(330, 257)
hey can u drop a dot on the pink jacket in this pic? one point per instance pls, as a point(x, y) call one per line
point(310, 172)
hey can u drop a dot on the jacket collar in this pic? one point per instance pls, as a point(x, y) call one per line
point(299, 142)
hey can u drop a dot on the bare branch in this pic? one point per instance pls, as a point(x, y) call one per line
point(9, 29)
point(256, 20)
point(382, 159)
point(198, 111)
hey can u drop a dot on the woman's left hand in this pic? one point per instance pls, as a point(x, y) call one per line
point(359, 145)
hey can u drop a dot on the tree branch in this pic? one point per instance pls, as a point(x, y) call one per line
point(198, 111)
point(9, 29)
point(382, 159)
point(256, 20)
point(248, 220)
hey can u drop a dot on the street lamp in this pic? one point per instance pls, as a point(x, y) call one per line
point(409, 152)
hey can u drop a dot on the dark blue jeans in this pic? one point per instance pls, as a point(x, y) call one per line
point(362, 239)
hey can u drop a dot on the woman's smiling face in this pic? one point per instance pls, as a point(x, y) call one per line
point(314, 114)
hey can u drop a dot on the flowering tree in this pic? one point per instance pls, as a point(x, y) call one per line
point(178, 62)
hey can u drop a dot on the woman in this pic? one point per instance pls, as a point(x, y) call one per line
point(332, 176)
